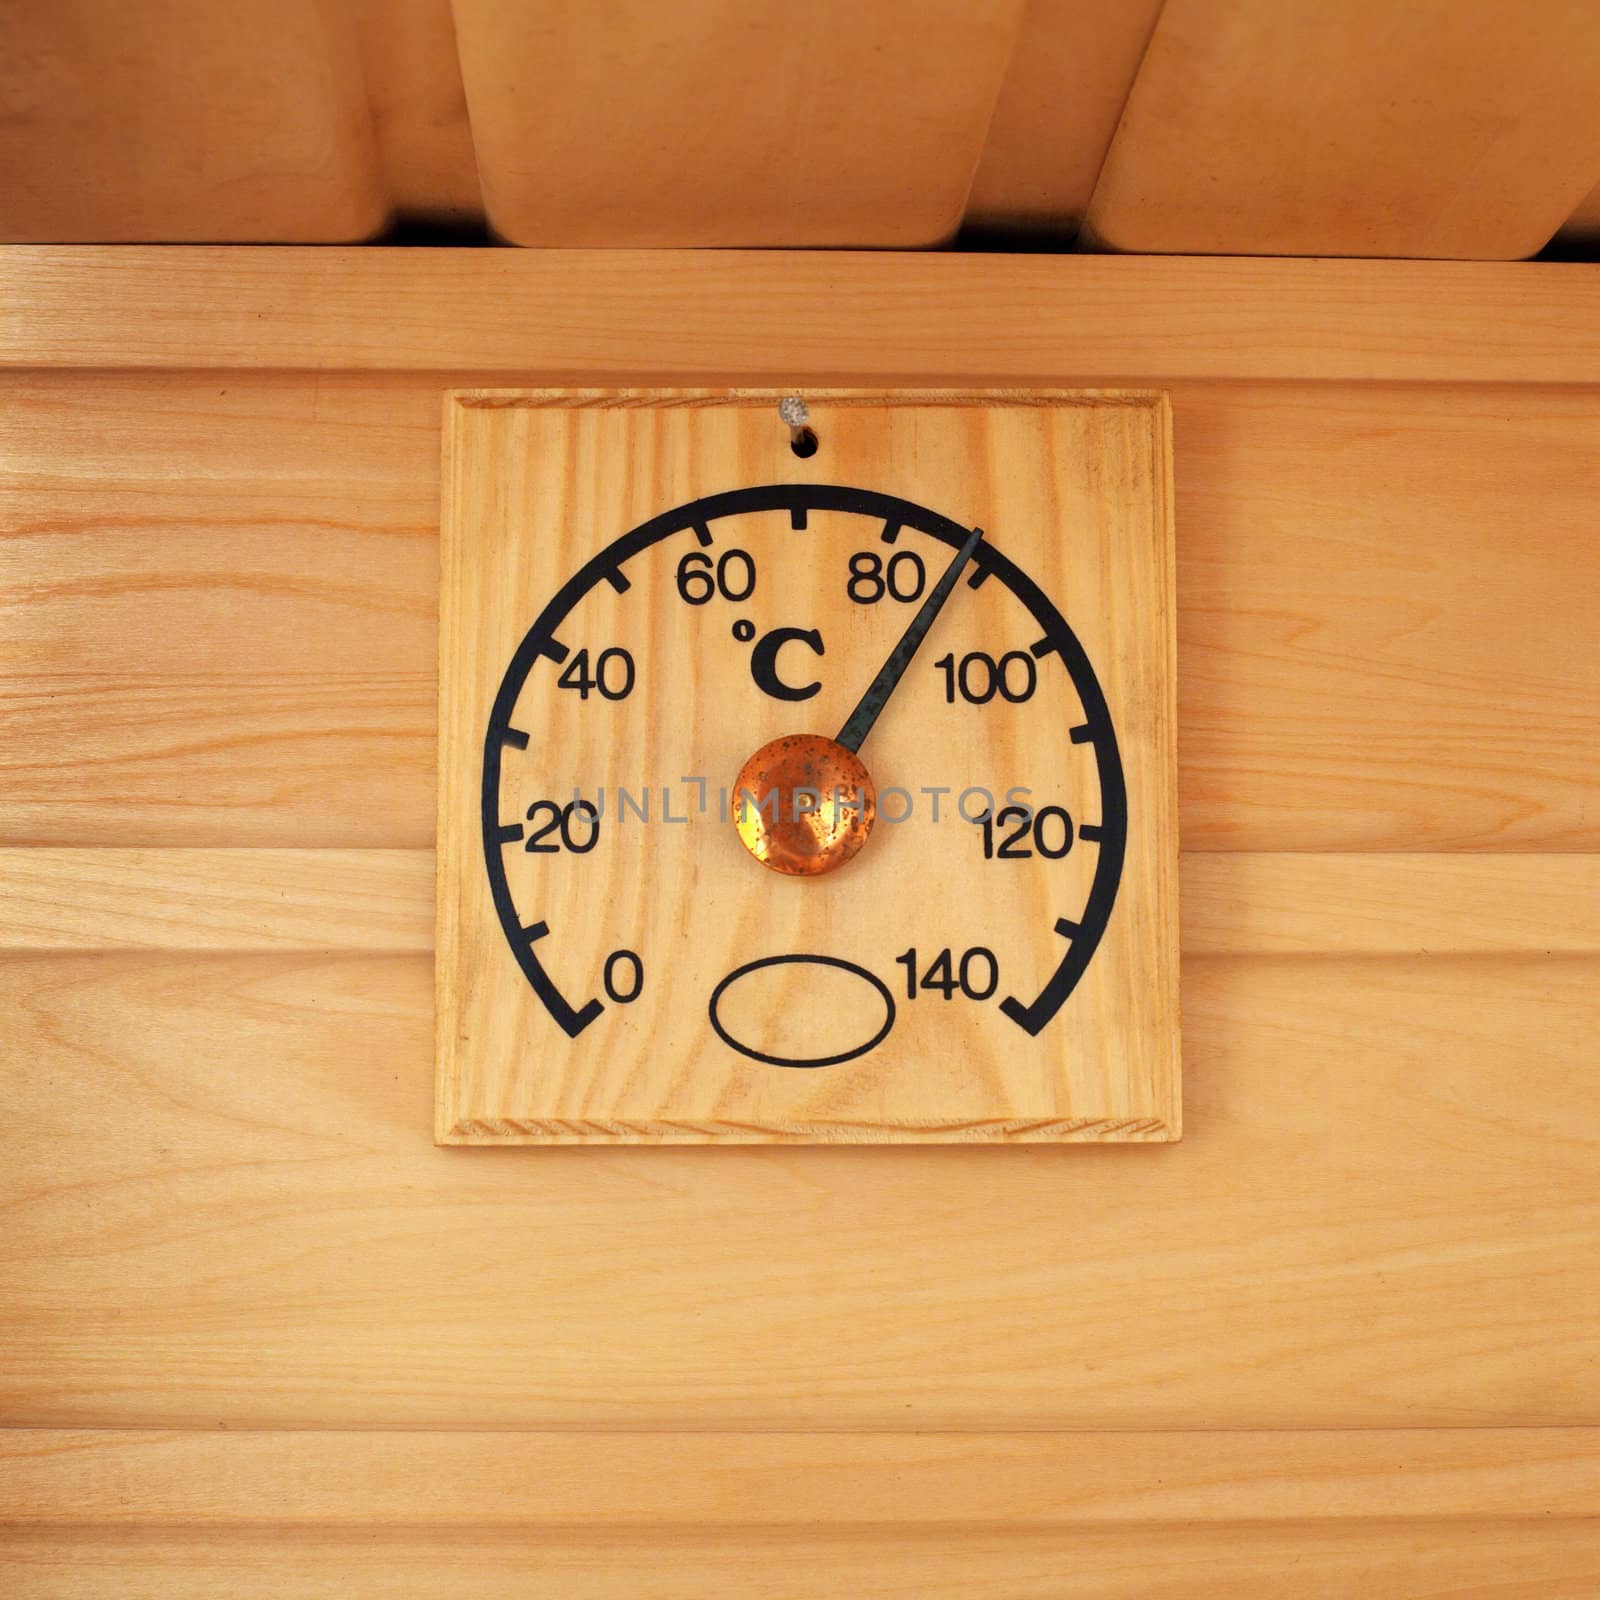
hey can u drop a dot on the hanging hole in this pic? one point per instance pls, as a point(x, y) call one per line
point(803, 441)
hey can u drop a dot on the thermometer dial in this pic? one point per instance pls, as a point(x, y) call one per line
point(811, 710)
point(806, 779)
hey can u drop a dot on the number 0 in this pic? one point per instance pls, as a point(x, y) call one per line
point(624, 960)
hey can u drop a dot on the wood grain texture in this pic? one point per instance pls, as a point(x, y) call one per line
point(1384, 1560)
point(1442, 128)
point(180, 120)
point(915, 1483)
point(1357, 564)
point(224, 587)
point(1075, 488)
point(199, 899)
point(1389, 904)
point(1234, 902)
point(221, 1203)
point(715, 123)
point(227, 1210)
point(642, 317)
point(1063, 93)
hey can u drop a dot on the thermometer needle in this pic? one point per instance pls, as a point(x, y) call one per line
point(854, 732)
point(801, 779)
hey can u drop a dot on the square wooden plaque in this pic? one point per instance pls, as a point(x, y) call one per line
point(639, 589)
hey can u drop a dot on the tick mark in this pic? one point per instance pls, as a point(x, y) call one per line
point(891, 532)
point(702, 533)
point(1092, 831)
point(797, 516)
point(980, 571)
point(514, 737)
point(531, 935)
point(1064, 926)
point(1082, 734)
point(508, 833)
point(617, 581)
point(552, 648)
point(1042, 648)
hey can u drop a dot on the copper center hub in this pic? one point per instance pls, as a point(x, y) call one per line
point(804, 804)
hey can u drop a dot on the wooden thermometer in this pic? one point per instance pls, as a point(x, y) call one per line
point(807, 783)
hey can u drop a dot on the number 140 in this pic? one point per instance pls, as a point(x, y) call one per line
point(975, 974)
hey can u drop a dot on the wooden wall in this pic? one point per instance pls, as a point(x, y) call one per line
point(259, 1337)
point(1433, 128)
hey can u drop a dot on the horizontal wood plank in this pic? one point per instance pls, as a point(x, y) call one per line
point(222, 621)
point(1233, 902)
point(773, 317)
point(227, 1211)
point(113, 899)
point(914, 1482)
point(1243, 903)
point(1388, 1560)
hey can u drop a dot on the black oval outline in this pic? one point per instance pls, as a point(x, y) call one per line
point(816, 961)
point(1083, 936)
